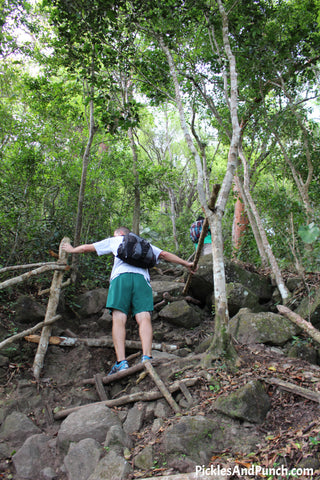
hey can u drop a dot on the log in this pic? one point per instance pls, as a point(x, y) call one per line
point(163, 389)
point(301, 322)
point(292, 388)
point(98, 342)
point(50, 313)
point(133, 397)
point(22, 267)
point(37, 271)
point(12, 339)
point(120, 375)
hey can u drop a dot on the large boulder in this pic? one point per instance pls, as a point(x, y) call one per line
point(159, 287)
point(33, 456)
point(202, 282)
point(93, 421)
point(266, 327)
point(239, 297)
point(27, 310)
point(91, 302)
point(112, 467)
point(198, 437)
point(82, 459)
point(180, 313)
point(249, 403)
point(16, 428)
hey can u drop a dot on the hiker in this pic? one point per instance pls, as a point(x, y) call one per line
point(195, 231)
point(129, 290)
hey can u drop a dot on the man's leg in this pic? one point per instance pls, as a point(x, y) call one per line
point(119, 333)
point(145, 331)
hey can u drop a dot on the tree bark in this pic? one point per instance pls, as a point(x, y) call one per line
point(133, 397)
point(50, 313)
point(32, 273)
point(301, 322)
point(284, 292)
point(85, 163)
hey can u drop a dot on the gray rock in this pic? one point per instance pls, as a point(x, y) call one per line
point(93, 421)
point(27, 310)
point(82, 459)
point(269, 328)
point(159, 287)
point(144, 459)
point(239, 297)
point(32, 457)
point(16, 428)
point(91, 302)
point(134, 419)
point(180, 313)
point(248, 403)
point(111, 467)
point(117, 439)
point(198, 437)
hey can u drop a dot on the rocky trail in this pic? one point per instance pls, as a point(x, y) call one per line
point(167, 420)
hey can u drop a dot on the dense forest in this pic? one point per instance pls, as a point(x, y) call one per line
point(130, 112)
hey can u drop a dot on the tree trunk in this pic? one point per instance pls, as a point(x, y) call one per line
point(240, 221)
point(136, 208)
point(222, 342)
point(284, 292)
point(253, 224)
point(85, 163)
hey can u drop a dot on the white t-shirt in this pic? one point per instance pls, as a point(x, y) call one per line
point(110, 245)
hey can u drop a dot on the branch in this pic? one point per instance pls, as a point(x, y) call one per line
point(37, 271)
point(98, 342)
point(133, 397)
point(12, 339)
point(301, 322)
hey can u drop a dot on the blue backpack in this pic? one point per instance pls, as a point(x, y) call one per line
point(136, 251)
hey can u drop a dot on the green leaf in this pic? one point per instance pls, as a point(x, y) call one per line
point(309, 233)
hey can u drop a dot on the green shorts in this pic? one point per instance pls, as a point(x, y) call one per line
point(130, 292)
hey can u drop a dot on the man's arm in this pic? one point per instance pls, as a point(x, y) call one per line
point(89, 247)
point(172, 258)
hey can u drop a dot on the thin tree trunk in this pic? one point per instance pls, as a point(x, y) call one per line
point(137, 201)
point(85, 163)
point(253, 224)
point(284, 292)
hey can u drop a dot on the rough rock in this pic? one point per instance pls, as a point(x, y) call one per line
point(134, 418)
point(27, 310)
point(32, 457)
point(267, 327)
point(249, 403)
point(159, 287)
point(16, 428)
point(93, 421)
point(180, 313)
point(144, 459)
point(82, 459)
point(91, 302)
point(198, 437)
point(111, 467)
point(239, 297)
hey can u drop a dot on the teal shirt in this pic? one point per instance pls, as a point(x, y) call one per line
point(207, 239)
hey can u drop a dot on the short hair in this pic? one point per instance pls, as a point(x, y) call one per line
point(200, 218)
point(122, 231)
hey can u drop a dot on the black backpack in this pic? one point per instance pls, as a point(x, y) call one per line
point(136, 251)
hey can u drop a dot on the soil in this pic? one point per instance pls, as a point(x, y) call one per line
point(291, 429)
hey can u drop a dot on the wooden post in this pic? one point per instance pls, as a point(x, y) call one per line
point(50, 312)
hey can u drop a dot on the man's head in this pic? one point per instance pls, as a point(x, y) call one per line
point(121, 231)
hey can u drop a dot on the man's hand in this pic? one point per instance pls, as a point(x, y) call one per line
point(80, 249)
point(67, 247)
